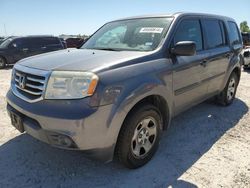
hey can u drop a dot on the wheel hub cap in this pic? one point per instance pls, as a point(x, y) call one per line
point(231, 89)
point(144, 137)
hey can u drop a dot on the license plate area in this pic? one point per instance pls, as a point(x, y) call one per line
point(16, 121)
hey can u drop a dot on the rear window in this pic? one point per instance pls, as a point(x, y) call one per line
point(214, 32)
point(234, 33)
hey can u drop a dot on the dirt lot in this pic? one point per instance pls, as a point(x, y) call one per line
point(207, 146)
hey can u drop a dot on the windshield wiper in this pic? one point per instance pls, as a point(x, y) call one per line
point(108, 49)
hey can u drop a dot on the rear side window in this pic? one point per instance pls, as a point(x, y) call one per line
point(50, 41)
point(35, 42)
point(189, 30)
point(234, 33)
point(214, 32)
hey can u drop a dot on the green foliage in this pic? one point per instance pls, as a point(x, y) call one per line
point(244, 27)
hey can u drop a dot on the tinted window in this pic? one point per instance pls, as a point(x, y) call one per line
point(213, 32)
point(21, 43)
point(189, 30)
point(50, 41)
point(36, 42)
point(28, 43)
point(234, 33)
point(224, 33)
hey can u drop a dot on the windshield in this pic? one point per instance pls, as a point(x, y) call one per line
point(133, 35)
point(5, 43)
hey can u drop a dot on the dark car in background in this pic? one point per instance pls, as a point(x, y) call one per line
point(14, 49)
point(74, 42)
point(1, 39)
point(246, 39)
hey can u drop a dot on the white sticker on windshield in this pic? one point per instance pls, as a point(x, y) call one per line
point(148, 44)
point(151, 30)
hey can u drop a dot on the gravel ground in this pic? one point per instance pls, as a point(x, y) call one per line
point(207, 146)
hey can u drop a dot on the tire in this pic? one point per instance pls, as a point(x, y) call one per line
point(2, 63)
point(245, 67)
point(139, 136)
point(227, 96)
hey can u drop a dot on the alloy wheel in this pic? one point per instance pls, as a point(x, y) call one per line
point(231, 89)
point(144, 137)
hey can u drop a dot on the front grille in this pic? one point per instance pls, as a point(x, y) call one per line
point(29, 84)
point(33, 86)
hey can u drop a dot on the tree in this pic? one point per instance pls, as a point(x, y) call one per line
point(244, 27)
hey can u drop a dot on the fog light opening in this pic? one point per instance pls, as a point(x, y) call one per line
point(65, 141)
point(61, 140)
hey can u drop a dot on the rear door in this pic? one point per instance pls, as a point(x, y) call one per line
point(34, 44)
point(188, 70)
point(216, 44)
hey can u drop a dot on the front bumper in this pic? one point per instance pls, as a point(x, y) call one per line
point(87, 127)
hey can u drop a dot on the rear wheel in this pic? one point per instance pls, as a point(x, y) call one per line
point(139, 136)
point(2, 63)
point(227, 96)
point(245, 67)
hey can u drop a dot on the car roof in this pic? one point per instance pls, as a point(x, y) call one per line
point(178, 14)
point(32, 36)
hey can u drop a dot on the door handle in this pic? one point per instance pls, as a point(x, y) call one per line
point(44, 47)
point(203, 63)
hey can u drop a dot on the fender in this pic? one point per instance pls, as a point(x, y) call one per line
point(234, 63)
point(133, 90)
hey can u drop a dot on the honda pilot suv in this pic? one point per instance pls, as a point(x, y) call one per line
point(13, 49)
point(116, 94)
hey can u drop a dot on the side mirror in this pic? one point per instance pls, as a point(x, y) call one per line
point(184, 48)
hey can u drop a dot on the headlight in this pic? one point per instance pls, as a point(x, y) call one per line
point(71, 85)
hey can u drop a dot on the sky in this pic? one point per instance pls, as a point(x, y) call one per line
point(55, 17)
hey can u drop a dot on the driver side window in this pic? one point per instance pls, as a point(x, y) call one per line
point(18, 44)
point(189, 30)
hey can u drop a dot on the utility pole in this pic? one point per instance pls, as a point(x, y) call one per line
point(5, 30)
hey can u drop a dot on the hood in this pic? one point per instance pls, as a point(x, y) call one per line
point(80, 59)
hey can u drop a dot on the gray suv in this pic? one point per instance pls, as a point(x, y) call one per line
point(116, 94)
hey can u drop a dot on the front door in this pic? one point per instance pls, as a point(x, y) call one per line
point(19, 49)
point(188, 71)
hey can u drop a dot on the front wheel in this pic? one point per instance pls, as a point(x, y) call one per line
point(2, 63)
point(139, 136)
point(227, 96)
